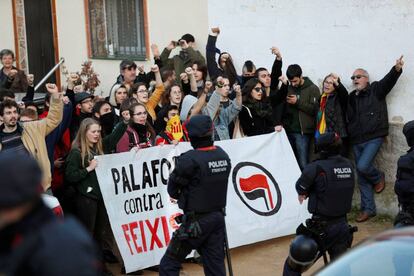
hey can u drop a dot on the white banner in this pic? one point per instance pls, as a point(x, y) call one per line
point(261, 202)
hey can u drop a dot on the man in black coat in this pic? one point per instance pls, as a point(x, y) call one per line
point(367, 126)
point(33, 241)
point(199, 183)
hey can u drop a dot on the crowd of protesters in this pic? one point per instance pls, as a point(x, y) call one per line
point(146, 109)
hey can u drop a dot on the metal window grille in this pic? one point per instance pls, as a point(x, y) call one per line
point(117, 29)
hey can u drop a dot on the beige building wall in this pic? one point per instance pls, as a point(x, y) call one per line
point(6, 25)
point(167, 20)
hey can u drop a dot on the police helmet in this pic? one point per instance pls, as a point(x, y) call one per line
point(200, 126)
point(403, 219)
point(328, 142)
point(303, 253)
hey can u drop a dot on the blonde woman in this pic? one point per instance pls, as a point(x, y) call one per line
point(80, 172)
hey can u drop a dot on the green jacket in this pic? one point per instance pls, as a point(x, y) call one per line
point(301, 117)
point(184, 59)
point(86, 183)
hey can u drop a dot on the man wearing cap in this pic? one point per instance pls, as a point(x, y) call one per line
point(84, 108)
point(367, 118)
point(33, 240)
point(28, 138)
point(329, 185)
point(199, 184)
point(186, 57)
point(404, 185)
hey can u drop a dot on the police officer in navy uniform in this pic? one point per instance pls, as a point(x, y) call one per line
point(199, 183)
point(404, 184)
point(329, 184)
point(33, 241)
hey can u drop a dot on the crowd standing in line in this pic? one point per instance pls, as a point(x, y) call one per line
point(146, 109)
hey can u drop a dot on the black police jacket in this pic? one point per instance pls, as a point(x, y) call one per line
point(404, 184)
point(367, 113)
point(199, 180)
point(40, 244)
point(329, 184)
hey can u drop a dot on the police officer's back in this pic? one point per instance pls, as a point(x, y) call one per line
point(33, 241)
point(329, 184)
point(404, 184)
point(199, 183)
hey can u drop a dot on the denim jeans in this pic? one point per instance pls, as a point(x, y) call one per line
point(368, 175)
point(300, 146)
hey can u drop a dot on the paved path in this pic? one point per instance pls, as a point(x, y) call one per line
point(267, 258)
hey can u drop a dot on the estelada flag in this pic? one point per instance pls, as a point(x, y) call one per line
point(175, 128)
point(255, 187)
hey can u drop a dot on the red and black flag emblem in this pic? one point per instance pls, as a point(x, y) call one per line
point(256, 186)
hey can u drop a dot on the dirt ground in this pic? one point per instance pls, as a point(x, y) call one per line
point(268, 257)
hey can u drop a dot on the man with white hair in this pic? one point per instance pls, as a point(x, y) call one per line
point(367, 126)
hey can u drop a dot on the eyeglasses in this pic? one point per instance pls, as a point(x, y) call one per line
point(140, 113)
point(142, 91)
point(258, 89)
point(358, 77)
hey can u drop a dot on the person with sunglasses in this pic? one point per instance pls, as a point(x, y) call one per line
point(256, 114)
point(139, 133)
point(367, 126)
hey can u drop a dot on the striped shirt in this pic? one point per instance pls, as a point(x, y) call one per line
point(12, 142)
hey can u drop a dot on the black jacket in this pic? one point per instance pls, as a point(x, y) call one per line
point(39, 244)
point(254, 124)
point(329, 184)
point(367, 113)
point(404, 184)
point(335, 111)
point(199, 180)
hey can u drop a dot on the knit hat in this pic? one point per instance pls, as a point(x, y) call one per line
point(186, 106)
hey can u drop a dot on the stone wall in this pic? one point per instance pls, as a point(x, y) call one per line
point(394, 146)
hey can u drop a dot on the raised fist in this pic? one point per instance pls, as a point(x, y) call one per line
point(141, 69)
point(184, 77)
point(276, 52)
point(13, 72)
point(155, 50)
point(284, 80)
point(208, 85)
point(215, 30)
point(155, 68)
point(52, 88)
point(30, 79)
point(172, 45)
point(189, 71)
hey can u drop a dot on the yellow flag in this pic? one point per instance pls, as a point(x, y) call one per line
point(175, 128)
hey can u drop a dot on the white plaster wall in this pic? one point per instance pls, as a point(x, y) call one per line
point(167, 20)
point(6, 25)
point(323, 36)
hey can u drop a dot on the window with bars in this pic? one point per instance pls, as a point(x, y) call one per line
point(117, 29)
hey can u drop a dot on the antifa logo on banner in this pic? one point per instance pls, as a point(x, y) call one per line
point(257, 188)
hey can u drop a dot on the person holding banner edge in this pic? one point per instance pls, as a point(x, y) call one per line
point(199, 184)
